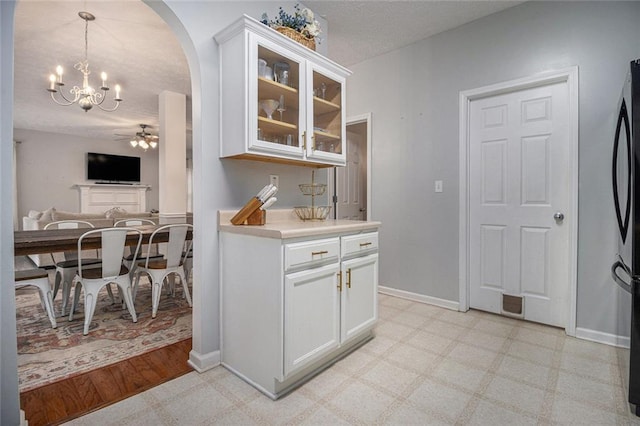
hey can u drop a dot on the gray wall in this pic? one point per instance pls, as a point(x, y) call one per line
point(413, 95)
point(49, 164)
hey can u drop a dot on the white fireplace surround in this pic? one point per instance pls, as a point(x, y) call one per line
point(98, 198)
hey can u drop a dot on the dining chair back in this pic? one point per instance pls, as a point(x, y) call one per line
point(145, 249)
point(167, 267)
point(67, 264)
point(91, 279)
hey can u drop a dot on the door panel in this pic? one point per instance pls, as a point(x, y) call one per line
point(518, 180)
point(359, 295)
point(312, 317)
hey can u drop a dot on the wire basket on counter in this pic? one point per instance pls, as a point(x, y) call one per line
point(312, 213)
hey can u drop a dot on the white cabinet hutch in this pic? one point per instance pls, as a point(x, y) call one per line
point(311, 127)
point(294, 299)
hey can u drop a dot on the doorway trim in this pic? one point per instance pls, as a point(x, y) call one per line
point(357, 119)
point(570, 76)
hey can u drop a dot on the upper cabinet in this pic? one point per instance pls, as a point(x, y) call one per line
point(280, 101)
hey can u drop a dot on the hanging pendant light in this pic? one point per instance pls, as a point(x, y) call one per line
point(86, 96)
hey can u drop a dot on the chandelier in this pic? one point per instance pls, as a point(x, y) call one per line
point(86, 96)
point(144, 139)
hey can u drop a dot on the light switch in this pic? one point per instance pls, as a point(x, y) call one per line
point(438, 186)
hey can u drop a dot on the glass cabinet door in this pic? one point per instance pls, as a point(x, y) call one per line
point(279, 106)
point(327, 125)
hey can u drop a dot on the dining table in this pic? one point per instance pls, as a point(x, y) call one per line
point(60, 240)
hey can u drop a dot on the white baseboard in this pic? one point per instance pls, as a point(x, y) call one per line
point(202, 363)
point(443, 303)
point(600, 337)
point(23, 419)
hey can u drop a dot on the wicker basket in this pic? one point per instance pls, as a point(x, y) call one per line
point(296, 36)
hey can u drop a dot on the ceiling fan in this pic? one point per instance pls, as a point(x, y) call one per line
point(142, 139)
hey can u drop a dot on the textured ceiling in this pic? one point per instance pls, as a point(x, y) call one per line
point(359, 30)
point(139, 51)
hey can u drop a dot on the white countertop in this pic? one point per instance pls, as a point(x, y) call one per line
point(284, 224)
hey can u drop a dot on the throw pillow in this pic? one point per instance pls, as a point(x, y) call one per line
point(47, 215)
point(34, 214)
point(115, 212)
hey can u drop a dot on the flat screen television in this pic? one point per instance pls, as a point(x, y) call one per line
point(112, 168)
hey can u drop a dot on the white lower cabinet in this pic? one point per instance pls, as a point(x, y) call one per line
point(291, 308)
point(311, 316)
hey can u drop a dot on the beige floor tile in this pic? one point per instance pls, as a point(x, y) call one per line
point(569, 412)
point(264, 410)
point(426, 365)
point(197, 406)
point(356, 361)
point(409, 319)
point(590, 367)
point(590, 391)
point(444, 400)
point(327, 382)
point(323, 416)
point(444, 329)
point(483, 340)
point(493, 327)
point(458, 374)
point(425, 310)
point(394, 302)
point(362, 402)
point(537, 337)
point(520, 370)
point(429, 342)
point(389, 377)
point(518, 395)
point(413, 359)
point(471, 355)
point(393, 330)
point(459, 318)
point(378, 345)
point(487, 413)
point(533, 353)
point(408, 414)
point(588, 349)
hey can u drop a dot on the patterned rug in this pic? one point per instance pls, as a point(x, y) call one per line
point(46, 355)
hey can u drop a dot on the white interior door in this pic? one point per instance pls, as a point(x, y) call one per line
point(519, 182)
point(352, 178)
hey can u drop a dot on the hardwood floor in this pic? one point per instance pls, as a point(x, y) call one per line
point(67, 399)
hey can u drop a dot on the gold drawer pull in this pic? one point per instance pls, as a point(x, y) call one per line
point(315, 253)
point(365, 244)
point(349, 277)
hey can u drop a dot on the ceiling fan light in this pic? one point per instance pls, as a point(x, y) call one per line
point(144, 145)
point(133, 143)
point(153, 144)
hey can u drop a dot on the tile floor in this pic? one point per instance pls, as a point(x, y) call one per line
point(426, 365)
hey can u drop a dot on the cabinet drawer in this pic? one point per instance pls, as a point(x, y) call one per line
point(355, 245)
point(311, 253)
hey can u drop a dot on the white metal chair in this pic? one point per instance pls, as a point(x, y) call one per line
point(160, 269)
point(67, 267)
point(144, 250)
point(92, 279)
point(38, 278)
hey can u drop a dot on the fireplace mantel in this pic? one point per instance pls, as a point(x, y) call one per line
point(98, 198)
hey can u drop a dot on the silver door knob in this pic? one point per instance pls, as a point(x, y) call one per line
point(559, 216)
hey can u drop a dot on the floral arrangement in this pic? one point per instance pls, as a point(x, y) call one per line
point(302, 21)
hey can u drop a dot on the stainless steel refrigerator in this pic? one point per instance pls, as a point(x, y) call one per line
point(626, 193)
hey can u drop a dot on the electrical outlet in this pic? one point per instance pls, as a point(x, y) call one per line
point(274, 180)
point(438, 186)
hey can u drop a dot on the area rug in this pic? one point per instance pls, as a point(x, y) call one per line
point(46, 355)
